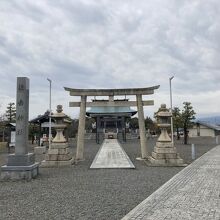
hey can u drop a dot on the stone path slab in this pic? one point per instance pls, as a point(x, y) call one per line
point(194, 193)
point(111, 155)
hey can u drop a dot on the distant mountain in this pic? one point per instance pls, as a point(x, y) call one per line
point(212, 120)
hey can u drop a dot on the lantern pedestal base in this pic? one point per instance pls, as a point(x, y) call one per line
point(58, 155)
point(165, 154)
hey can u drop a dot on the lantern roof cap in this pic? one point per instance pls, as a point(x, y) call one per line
point(163, 111)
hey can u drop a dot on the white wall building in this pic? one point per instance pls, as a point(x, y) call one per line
point(204, 129)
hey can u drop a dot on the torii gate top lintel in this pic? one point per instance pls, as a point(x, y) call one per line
point(111, 92)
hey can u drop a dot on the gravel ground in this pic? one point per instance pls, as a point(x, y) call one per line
point(78, 192)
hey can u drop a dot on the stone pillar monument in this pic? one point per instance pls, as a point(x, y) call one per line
point(58, 154)
point(21, 164)
point(165, 153)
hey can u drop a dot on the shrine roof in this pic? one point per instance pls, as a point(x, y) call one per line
point(105, 110)
point(41, 118)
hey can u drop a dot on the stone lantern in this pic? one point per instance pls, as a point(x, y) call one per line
point(165, 153)
point(58, 154)
point(163, 119)
point(59, 126)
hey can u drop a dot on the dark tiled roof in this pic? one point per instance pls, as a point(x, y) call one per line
point(209, 125)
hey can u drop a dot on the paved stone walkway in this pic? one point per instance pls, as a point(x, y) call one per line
point(194, 193)
point(111, 155)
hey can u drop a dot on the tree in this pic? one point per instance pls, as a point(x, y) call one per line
point(2, 126)
point(134, 123)
point(177, 122)
point(187, 115)
point(88, 123)
point(149, 124)
point(11, 112)
point(72, 128)
point(2, 117)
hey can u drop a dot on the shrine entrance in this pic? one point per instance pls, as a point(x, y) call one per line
point(110, 121)
point(112, 104)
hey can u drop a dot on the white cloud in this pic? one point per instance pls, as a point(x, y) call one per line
point(111, 44)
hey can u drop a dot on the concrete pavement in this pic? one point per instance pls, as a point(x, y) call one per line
point(193, 193)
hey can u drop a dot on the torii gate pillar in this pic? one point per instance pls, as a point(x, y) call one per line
point(142, 129)
point(81, 129)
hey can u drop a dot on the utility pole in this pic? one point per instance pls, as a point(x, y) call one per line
point(171, 109)
point(50, 81)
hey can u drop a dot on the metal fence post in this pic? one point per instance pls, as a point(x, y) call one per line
point(216, 139)
point(193, 151)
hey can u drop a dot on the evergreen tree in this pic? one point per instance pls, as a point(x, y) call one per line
point(134, 123)
point(150, 125)
point(187, 115)
point(11, 112)
point(88, 123)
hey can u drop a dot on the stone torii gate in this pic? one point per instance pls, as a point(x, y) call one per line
point(138, 92)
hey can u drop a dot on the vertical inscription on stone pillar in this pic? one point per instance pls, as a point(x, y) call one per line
point(22, 110)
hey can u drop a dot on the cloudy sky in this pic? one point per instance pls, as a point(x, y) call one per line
point(111, 44)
